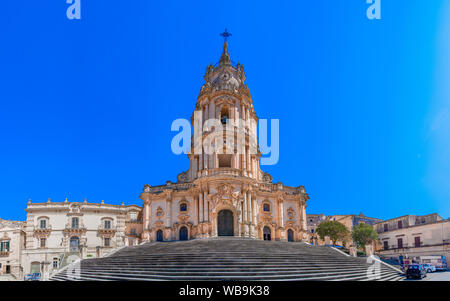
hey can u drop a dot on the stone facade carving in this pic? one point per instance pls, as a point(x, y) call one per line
point(223, 187)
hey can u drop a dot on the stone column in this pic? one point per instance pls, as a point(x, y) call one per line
point(200, 211)
point(195, 200)
point(169, 213)
point(245, 208)
point(304, 224)
point(247, 159)
point(281, 213)
point(255, 210)
point(206, 112)
point(146, 216)
point(249, 209)
point(205, 207)
point(212, 110)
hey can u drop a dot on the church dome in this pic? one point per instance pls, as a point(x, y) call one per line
point(225, 75)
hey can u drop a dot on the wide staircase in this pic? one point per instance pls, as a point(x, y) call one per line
point(225, 259)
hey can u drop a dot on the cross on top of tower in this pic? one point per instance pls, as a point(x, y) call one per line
point(226, 35)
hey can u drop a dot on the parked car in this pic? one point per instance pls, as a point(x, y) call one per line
point(429, 268)
point(32, 277)
point(416, 271)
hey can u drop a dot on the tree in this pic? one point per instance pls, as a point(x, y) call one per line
point(363, 234)
point(334, 230)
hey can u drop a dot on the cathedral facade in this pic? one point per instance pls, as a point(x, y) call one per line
point(224, 192)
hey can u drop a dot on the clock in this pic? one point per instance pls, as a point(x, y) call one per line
point(226, 76)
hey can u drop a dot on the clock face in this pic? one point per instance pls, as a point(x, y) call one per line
point(226, 76)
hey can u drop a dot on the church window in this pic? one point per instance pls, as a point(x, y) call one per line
point(133, 216)
point(107, 241)
point(183, 207)
point(224, 116)
point(43, 224)
point(266, 208)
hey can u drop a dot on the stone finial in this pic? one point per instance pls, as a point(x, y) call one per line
point(103, 201)
point(29, 201)
point(66, 200)
point(85, 201)
point(49, 200)
point(123, 203)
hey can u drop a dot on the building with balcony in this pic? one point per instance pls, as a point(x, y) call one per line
point(12, 239)
point(411, 237)
point(133, 225)
point(57, 231)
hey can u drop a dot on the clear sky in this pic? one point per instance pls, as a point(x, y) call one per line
point(364, 106)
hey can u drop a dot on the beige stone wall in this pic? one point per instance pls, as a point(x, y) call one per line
point(92, 232)
point(434, 237)
point(12, 259)
point(162, 211)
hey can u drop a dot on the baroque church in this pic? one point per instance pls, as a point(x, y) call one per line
point(224, 193)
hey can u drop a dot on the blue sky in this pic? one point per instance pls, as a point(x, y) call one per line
point(364, 106)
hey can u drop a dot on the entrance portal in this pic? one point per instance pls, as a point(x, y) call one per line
point(159, 235)
point(183, 233)
point(290, 235)
point(266, 232)
point(74, 244)
point(225, 225)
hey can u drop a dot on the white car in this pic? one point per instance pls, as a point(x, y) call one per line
point(429, 268)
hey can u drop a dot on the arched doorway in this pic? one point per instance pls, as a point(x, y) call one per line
point(74, 244)
point(159, 235)
point(266, 232)
point(225, 223)
point(183, 233)
point(290, 235)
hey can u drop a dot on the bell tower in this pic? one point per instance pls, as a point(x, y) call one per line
point(225, 122)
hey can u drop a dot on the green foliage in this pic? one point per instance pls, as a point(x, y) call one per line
point(364, 234)
point(334, 230)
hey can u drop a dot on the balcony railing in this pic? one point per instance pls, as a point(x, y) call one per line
point(4, 253)
point(232, 172)
point(47, 228)
point(79, 227)
point(102, 228)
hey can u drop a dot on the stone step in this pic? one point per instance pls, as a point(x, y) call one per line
point(300, 276)
point(226, 259)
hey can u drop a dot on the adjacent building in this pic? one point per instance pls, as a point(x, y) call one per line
point(12, 239)
point(348, 220)
point(411, 237)
point(54, 231)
